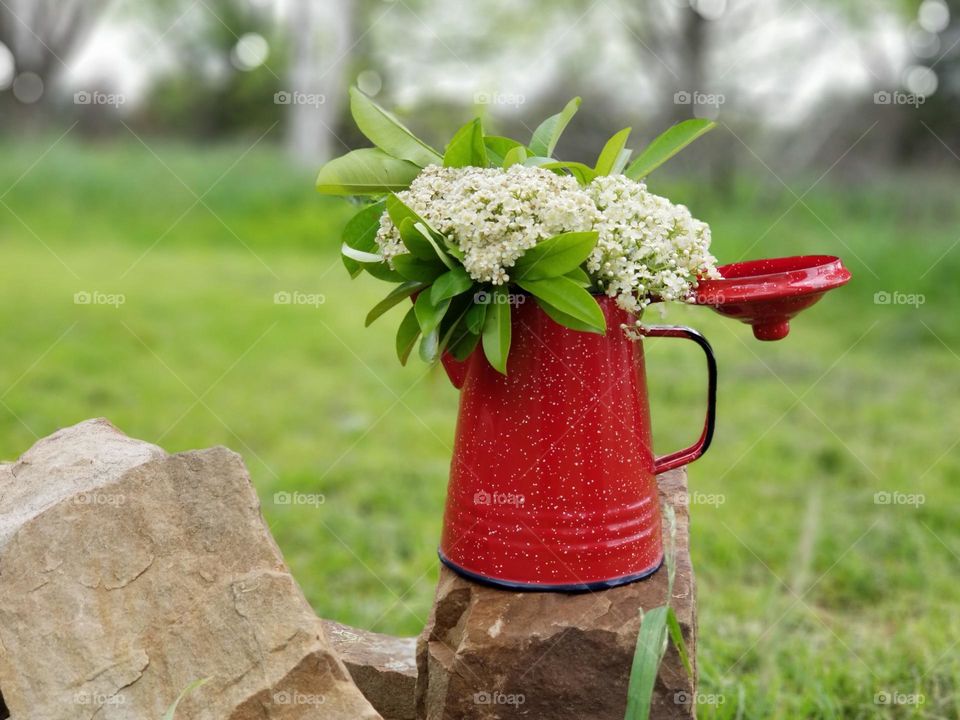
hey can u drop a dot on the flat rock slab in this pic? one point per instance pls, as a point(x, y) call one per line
point(383, 667)
point(127, 573)
point(488, 653)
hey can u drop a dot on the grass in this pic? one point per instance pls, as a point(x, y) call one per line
point(813, 597)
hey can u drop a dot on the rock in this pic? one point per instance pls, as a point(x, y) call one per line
point(489, 653)
point(128, 573)
point(383, 667)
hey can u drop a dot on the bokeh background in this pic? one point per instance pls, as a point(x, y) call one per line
point(167, 264)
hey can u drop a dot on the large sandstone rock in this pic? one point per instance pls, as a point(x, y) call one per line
point(489, 653)
point(127, 573)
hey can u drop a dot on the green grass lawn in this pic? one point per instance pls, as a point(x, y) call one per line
point(813, 597)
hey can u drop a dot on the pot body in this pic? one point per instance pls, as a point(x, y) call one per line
point(552, 483)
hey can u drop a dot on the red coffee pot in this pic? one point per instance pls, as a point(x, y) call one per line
point(553, 478)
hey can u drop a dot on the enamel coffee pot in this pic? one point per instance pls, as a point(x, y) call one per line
point(553, 478)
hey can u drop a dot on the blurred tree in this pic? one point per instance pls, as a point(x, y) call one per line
point(226, 75)
point(322, 39)
point(42, 35)
point(935, 36)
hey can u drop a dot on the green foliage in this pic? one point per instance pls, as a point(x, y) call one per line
point(655, 626)
point(398, 294)
point(548, 133)
point(387, 133)
point(552, 271)
point(467, 147)
point(555, 256)
point(172, 710)
point(610, 156)
point(569, 300)
point(368, 171)
point(497, 329)
point(666, 145)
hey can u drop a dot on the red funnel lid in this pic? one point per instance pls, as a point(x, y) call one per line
point(768, 293)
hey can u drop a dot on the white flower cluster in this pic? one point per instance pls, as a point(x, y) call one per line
point(648, 247)
point(493, 215)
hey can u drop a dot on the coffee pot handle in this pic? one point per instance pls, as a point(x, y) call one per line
point(688, 455)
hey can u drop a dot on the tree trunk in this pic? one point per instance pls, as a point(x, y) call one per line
point(322, 36)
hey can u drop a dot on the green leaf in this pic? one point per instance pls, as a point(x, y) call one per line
point(611, 152)
point(367, 171)
point(382, 271)
point(461, 348)
point(360, 233)
point(651, 645)
point(555, 256)
point(514, 156)
point(467, 148)
point(622, 159)
point(667, 145)
point(453, 328)
point(498, 147)
point(538, 161)
point(475, 318)
point(407, 335)
point(583, 173)
point(451, 283)
point(388, 133)
point(172, 710)
point(413, 268)
point(430, 237)
point(453, 250)
point(676, 635)
point(561, 318)
point(399, 211)
point(580, 277)
point(414, 241)
point(430, 346)
point(429, 314)
point(570, 299)
point(545, 137)
point(496, 330)
point(397, 295)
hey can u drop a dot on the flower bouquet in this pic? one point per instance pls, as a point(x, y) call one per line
point(468, 232)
